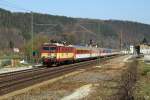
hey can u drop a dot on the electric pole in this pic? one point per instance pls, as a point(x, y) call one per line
point(121, 40)
point(32, 32)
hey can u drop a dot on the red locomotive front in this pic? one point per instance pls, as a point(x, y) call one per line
point(49, 54)
point(55, 54)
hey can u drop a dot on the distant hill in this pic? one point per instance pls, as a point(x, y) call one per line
point(16, 28)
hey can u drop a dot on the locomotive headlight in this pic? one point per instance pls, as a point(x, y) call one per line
point(49, 56)
point(53, 55)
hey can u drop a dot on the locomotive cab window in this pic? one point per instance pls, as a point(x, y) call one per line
point(52, 48)
point(45, 48)
point(49, 48)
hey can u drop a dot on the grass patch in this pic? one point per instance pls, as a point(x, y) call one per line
point(142, 88)
point(145, 68)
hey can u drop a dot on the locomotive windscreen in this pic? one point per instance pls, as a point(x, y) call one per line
point(49, 48)
point(45, 48)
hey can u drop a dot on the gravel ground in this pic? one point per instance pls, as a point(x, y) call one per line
point(101, 82)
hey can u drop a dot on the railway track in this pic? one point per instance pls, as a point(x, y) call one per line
point(18, 72)
point(20, 79)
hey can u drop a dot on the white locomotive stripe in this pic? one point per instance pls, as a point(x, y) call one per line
point(78, 56)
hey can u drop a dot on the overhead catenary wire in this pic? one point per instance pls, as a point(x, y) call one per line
point(11, 5)
point(46, 24)
point(7, 4)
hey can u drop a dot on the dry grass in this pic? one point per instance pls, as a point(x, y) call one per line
point(142, 88)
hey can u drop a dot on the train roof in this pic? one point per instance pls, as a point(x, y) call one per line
point(81, 47)
point(76, 46)
point(53, 44)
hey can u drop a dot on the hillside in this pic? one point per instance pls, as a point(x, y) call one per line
point(16, 28)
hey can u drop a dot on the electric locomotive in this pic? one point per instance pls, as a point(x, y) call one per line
point(56, 53)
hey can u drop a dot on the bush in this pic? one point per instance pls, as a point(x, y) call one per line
point(5, 62)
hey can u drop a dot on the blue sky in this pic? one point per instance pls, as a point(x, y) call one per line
point(132, 10)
